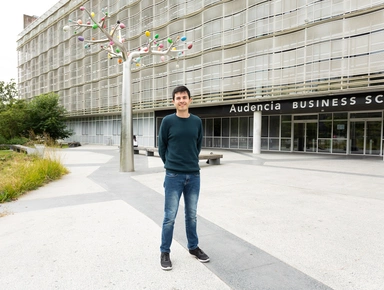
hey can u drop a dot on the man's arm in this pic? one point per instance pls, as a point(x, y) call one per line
point(200, 137)
point(163, 141)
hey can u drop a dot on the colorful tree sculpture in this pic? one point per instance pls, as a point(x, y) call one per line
point(115, 46)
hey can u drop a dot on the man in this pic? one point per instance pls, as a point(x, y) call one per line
point(180, 139)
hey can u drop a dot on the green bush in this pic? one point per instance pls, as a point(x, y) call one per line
point(25, 173)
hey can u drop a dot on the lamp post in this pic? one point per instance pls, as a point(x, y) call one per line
point(114, 45)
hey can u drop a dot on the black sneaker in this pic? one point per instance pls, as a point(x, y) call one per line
point(165, 261)
point(200, 255)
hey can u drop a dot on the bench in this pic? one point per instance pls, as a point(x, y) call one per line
point(149, 151)
point(39, 149)
point(20, 148)
point(211, 158)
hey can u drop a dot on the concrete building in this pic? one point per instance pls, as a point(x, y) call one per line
point(292, 75)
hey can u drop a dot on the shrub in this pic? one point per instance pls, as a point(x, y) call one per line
point(21, 173)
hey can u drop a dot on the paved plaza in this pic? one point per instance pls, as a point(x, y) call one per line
point(268, 221)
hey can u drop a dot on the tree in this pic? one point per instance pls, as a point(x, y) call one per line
point(12, 119)
point(47, 116)
point(8, 94)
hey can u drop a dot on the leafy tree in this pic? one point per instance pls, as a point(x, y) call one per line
point(47, 116)
point(8, 94)
point(12, 120)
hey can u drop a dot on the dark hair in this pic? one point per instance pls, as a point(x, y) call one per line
point(180, 89)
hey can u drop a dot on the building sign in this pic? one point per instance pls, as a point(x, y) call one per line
point(343, 103)
point(324, 104)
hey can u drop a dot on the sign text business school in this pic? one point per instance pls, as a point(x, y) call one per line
point(328, 104)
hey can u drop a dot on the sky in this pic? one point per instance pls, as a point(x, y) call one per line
point(11, 23)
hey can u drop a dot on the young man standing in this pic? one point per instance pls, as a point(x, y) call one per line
point(180, 139)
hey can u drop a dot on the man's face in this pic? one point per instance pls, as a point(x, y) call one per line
point(182, 101)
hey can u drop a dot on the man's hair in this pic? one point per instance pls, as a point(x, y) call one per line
point(180, 89)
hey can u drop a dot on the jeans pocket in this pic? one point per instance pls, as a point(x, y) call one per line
point(171, 175)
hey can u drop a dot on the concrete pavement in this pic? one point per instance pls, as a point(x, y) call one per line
point(269, 221)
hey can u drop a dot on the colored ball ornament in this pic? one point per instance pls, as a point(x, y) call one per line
point(184, 38)
point(173, 48)
point(190, 46)
point(65, 28)
point(79, 21)
point(119, 61)
point(111, 43)
point(117, 50)
point(156, 36)
point(93, 14)
point(137, 64)
point(162, 58)
point(145, 49)
point(122, 26)
point(147, 34)
point(82, 8)
point(94, 26)
point(88, 22)
point(161, 45)
point(170, 40)
point(80, 38)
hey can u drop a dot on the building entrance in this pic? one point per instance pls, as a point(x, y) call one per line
point(365, 137)
point(305, 136)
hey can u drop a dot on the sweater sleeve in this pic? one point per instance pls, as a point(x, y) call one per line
point(163, 140)
point(200, 137)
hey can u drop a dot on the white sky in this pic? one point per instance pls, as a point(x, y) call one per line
point(11, 23)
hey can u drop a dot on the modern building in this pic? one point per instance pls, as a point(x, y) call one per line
point(279, 75)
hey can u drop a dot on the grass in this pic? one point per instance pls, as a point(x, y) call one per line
point(20, 173)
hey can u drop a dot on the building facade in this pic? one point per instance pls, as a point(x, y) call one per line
point(312, 69)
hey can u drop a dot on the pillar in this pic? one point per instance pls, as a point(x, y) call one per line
point(256, 133)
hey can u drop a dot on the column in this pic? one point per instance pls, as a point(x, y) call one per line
point(256, 133)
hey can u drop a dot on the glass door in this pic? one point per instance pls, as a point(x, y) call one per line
point(305, 136)
point(372, 140)
point(357, 137)
point(365, 137)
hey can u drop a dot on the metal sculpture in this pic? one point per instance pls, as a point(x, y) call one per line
point(114, 45)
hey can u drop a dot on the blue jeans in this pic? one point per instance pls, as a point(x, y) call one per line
point(176, 184)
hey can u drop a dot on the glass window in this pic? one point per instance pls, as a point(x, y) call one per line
point(340, 129)
point(305, 117)
point(366, 115)
point(217, 127)
point(225, 127)
point(327, 117)
point(274, 126)
point(324, 145)
point(273, 144)
point(243, 127)
point(264, 126)
point(339, 146)
point(208, 127)
point(251, 127)
point(234, 128)
point(286, 126)
point(340, 116)
point(286, 144)
point(325, 129)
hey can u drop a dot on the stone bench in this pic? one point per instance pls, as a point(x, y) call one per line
point(39, 149)
point(211, 158)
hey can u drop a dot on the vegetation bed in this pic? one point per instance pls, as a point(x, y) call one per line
point(20, 173)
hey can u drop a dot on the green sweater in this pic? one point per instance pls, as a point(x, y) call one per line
point(180, 143)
